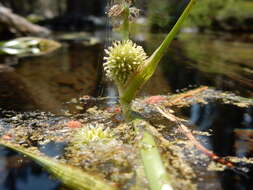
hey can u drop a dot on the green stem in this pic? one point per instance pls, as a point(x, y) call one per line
point(125, 25)
point(126, 110)
point(155, 171)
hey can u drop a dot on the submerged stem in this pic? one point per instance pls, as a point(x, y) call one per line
point(155, 171)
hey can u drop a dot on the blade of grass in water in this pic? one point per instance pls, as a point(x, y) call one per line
point(138, 80)
point(71, 177)
point(158, 54)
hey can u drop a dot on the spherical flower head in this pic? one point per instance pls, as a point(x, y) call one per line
point(123, 59)
point(92, 133)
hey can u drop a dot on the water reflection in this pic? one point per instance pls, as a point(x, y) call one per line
point(18, 173)
point(222, 121)
point(46, 83)
point(208, 60)
point(248, 118)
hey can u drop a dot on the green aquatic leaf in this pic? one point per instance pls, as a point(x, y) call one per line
point(72, 177)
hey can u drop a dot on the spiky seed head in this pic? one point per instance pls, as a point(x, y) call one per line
point(92, 133)
point(123, 58)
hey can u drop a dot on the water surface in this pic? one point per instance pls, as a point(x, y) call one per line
point(46, 83)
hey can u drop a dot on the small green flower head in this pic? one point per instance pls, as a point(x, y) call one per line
point(123, 59)
point(92, 133)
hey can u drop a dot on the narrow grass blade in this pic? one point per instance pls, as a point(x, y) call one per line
point(71, 177)
point(139, 79)
point(158, 54)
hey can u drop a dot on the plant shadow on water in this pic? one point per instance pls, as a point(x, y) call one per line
point(46, 83)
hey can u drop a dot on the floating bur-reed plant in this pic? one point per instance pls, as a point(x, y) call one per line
point(127, 63)
point(129, 67)
point(92, 133)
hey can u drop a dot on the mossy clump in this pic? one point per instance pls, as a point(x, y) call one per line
point(96, 149)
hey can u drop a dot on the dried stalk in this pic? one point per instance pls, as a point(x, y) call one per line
point(193, 140)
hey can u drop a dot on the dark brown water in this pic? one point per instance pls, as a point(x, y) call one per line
point(45, 83)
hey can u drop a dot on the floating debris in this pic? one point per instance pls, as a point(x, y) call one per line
point(96, 141)
point(29, 46)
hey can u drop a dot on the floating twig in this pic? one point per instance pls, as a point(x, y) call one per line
point(193, 140)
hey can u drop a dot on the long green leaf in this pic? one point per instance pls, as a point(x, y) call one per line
point(138, 80)
point(160, 51)
point(71, 177)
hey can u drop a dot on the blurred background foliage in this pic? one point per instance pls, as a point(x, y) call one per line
point(54, 8)
point(225, 15)
point(207, 14)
